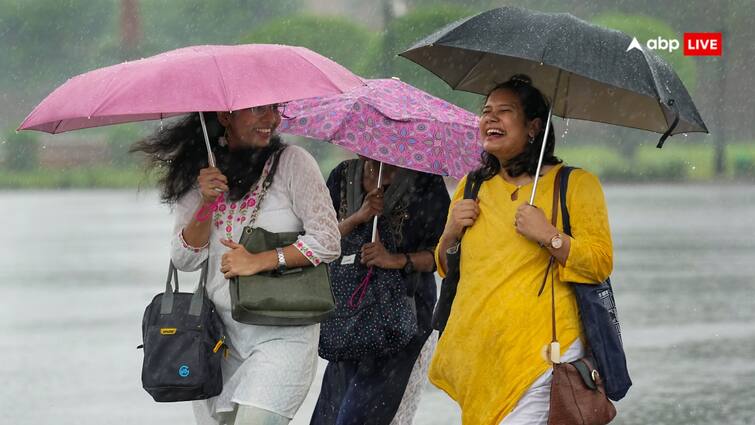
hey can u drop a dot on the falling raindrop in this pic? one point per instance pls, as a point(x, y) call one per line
point(566, 129)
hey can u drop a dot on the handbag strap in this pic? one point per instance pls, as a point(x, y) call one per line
point(268, 180)
point(554, 221)
point(197, 300)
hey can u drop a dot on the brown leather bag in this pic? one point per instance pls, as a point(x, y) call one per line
point(578, 396)
point(577, 393)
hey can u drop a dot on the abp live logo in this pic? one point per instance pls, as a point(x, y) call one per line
point(695, 44)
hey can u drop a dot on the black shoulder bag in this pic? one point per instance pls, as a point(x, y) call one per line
point(182, 339)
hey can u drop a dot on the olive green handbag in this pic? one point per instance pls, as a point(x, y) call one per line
point(298, 296)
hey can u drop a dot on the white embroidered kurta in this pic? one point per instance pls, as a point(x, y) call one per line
point(270, 367)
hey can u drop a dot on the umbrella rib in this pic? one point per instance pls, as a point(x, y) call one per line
point(482, 56)
point(320, 70)
point(106, 86)
point(222, 82)
point(343, 122)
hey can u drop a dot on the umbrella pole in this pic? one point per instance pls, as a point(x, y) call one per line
point(210, 156)
point(542, 153)
point(374, 220)
point(545, 138)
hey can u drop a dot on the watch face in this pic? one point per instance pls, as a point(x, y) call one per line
point(556, 242)
point(409, 268)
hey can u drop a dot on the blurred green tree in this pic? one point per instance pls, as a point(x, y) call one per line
point(46, 41)
point(21, 151)
point(402, 33)
point(174, 24)
point(119, 139)
point(333, 36)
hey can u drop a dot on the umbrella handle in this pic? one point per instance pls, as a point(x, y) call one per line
point(545, 141)
point(375, 219)
point(542, 153)
point(210, 156)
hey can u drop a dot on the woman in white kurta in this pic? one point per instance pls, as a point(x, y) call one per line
point(269, 368)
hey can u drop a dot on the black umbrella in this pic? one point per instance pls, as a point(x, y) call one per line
point(588, 71)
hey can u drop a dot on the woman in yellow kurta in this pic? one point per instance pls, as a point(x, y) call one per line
point(490, 357)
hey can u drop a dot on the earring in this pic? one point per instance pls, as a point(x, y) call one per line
point(223, 140)
point(532, 140)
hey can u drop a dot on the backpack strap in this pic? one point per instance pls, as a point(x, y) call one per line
point(472, 186)
point(471, 189)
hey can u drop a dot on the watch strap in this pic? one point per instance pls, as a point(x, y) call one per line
point(409, 266)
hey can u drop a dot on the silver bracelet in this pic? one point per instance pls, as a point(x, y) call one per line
point(281, 260)
point(454, 248)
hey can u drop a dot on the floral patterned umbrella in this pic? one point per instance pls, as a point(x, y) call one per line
point(393, 122)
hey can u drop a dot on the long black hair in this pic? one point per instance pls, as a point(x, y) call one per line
point(178, 153)
point(535, 105)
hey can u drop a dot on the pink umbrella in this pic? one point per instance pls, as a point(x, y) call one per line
point(391, 121)
point(191, 79)
point(394, 122)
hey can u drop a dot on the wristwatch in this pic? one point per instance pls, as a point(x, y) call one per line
point(556, 241)
point(281, 260)
point(409, 266)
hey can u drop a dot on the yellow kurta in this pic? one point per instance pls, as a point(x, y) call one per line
point(490, 352)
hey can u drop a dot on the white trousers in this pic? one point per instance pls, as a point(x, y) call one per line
point(533, 407)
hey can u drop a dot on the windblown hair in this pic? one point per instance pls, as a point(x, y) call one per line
point(535, 105)
point(178, 153)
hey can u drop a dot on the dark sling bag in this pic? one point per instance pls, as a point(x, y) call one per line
point(453, 260)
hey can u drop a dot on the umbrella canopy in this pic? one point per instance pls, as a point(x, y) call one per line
point(587, 70)
point(191, 79)
point(390, 121)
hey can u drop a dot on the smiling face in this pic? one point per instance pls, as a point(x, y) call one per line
point(250, 127)
point(504, 127)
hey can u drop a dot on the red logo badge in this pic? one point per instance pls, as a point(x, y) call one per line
point(703, 44)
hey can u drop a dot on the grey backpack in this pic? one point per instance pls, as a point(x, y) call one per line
point(183, 341)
